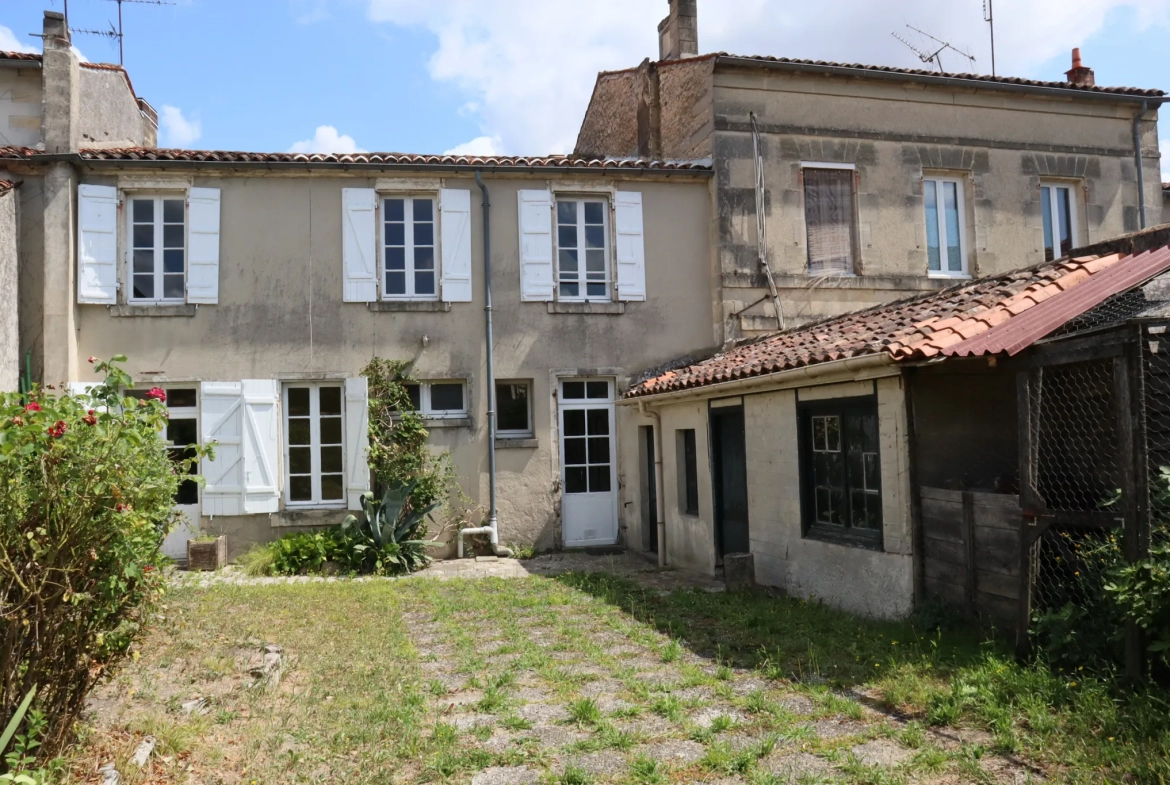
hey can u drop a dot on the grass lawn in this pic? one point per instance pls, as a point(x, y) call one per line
point(592, 678)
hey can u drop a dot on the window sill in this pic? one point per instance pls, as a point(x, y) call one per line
point(447, 422)
point(516, 443)
point(838, 537)
point(183, 309)
point(307, 516)
point(945, 277)
point(410, 306)
point(611, 309)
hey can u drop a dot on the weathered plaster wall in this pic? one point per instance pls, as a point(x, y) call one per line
point(280, 315)
point(690, 539)
point(9, 326)
point(109, 113)
point(1001, 145)
point(20, 106)
point(31, 270)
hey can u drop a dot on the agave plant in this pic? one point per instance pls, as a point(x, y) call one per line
point(390, 526)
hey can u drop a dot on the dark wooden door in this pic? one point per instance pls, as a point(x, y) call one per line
point(730, 478)
point(651, 493)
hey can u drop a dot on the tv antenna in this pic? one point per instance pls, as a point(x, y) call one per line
point(115, 33)
point(935, 57)
point(989, 17)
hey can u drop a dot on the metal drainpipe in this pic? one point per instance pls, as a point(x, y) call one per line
point(492, 528)
point(1137, 157)
point(660, 512)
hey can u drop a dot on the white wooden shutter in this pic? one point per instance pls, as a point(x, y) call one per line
point(357, 440)
point(261, 437)
point(536, 245)
point(203, 237)
point(359, 245)
point(221, 421)
point(97, 244)
point(630, 252)
point(455, 217)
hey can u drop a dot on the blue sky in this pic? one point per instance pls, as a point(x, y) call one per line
point(514, 76)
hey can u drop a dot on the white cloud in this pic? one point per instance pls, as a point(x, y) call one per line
point(10, 43)
point(177, 130)
point(528, 71)
point(326, 140)
point(480, 145)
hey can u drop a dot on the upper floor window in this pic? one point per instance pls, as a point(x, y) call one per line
point(1058, 210)
point(410, 248)
point(158, 243)
point(582, 249)
point(830, 218)
point(946, 224)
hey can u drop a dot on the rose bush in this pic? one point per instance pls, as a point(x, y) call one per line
point(86, 496)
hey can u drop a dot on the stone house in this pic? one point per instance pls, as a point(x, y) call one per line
point(840, 186)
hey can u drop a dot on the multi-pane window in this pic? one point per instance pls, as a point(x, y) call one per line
point(513, 409)
point(946, 245)
point(585, 436)
point(182, 434)
point(1058, 210)
point(313, 440)
point(688, 471)
point(158, 241)
point(439, 399)
point(582, 250)
point(830, 219)
point(409, 253)
point(841, 467)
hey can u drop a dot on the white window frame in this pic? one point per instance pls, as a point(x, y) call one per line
point(128, 199)
point(940, 215)
point(512, 433)
point(1053, 187)
point(315, 443)
point(424, 400)
point(408, 198)
point(607, 232)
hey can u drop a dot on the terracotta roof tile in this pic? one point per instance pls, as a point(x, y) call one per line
point(164, 155)
point(6, 186)
point(920, 327)
point(31, 56)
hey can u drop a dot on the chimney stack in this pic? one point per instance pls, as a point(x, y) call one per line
point(56, 32)
point(678, 33)
point(61, 86)
point(1079, 74)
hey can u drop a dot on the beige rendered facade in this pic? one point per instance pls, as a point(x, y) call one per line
point(894, 135)
point(281, 315)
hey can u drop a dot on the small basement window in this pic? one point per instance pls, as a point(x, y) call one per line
point(437, 400)
point(840, 466)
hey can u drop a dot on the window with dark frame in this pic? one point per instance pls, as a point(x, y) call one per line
point(438, 399)
point(688, 471)
point(513, 415)
point(840, 464)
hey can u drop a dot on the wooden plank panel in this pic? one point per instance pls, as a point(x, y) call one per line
point(953, 552)
point(999, 584)
point(998, 517)
point(944, 571)
point(997, 550)
point(949, 592)
point(1007, 501)
point(937, 508)
point(943, 528)
point(941, 494)
point(1000, 608)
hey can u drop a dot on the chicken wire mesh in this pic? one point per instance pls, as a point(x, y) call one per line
point(1156, 400)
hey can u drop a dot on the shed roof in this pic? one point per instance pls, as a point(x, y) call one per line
point(1004, 313)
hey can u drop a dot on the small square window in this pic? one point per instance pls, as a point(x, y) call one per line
point(513, 409)
point(438, 399)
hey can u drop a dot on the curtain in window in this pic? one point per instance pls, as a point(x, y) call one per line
point(828, 214)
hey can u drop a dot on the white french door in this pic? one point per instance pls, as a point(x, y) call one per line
point(182, 432)
point(589, 498)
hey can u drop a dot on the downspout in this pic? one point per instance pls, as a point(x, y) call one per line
point(1137, 158)
point(660, 511)
point(493, 527)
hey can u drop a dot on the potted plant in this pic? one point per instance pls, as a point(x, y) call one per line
point(206, 552)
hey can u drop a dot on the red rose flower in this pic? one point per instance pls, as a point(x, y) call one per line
point(18, 420)
point(89, 419)
point(122, 507)
point(158, 394)
point(93, 359)
point(57, 430)
point(33, 407)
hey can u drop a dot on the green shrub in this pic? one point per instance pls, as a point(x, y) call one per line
point(86, 495)
point(257, 560)
point(300, 553)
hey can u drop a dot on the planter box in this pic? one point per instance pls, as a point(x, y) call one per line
point(207, 554)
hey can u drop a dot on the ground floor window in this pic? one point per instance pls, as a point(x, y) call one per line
point(314, 450)
point(840, 467)
point(687, 459)
point(513, 409)
point(439, 399)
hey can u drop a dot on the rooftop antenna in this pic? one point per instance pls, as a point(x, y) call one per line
point(989, 17)
point(116, 33)
point(934, 57)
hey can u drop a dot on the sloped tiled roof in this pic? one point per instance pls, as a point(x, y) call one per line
point(917, 72)
point(390, 159)
point(938, 324)
point(32, 56)
point(6, 186)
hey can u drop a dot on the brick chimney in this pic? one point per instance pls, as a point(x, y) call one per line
point(678, 33)
point(1079, 74)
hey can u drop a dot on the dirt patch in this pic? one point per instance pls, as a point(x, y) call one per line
point(674, 751)
point(506, 775)
point(882, 752)
point(605, 763)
